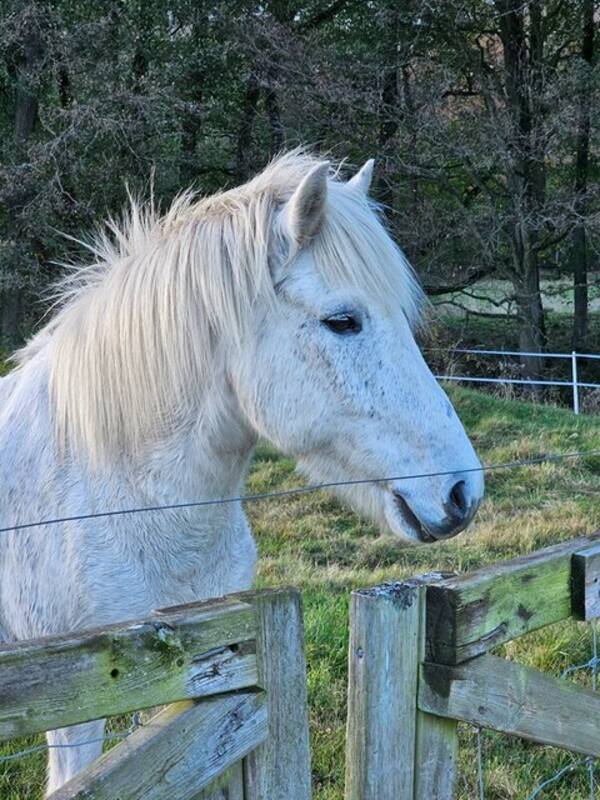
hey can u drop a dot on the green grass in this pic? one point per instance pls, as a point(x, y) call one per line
point(312, 542)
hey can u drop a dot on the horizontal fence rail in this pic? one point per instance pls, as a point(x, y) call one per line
point(191, 652)
point(419, 663)
point(519, 353)
point(503, 696)
point(470, 614)
point(517, 381)
point(185, 749)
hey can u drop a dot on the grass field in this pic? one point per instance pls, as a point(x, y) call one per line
point(311, 542)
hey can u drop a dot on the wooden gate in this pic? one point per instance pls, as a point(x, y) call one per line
point(419, 663)
point(233, 672)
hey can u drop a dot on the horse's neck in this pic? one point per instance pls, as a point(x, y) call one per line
point(203, 550)
point(206, 456)
point(197, 464)
point(162, 558)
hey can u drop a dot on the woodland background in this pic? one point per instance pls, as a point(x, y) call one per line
point(482, 114)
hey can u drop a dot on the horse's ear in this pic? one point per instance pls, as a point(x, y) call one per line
point(303, 212)
point(364, 176)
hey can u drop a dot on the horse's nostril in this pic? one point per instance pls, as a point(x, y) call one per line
point(458, 500)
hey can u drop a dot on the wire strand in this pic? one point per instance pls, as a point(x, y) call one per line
point(298, 490)
point(40, 748)
point(136, 722)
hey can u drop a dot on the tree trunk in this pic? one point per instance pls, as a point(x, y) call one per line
point(284, 16)
point(409, 105)
point(244, 139)
point(526, 177)
point(579, 260)
point(191, 122)
point(191, 125)
point(26, 117)
point(579, 248)
point(64, 86)
point(389, 111)
point(11, 315)
point(531, 319)
point(275, 123)
point(190, 129)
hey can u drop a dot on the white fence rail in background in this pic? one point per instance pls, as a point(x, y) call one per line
point(573, 357)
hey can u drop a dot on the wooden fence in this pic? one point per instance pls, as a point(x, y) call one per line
point(419, 662)
point(233, 672)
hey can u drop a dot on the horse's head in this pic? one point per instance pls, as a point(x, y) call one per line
point(335, 377)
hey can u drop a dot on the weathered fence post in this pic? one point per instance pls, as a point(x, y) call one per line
point(394, 751)
point(279, 769)
point(436, 754)
point(383, 663)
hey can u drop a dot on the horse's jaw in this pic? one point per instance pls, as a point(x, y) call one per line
point(413, 502)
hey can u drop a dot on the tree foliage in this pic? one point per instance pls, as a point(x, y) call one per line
point(482, 115)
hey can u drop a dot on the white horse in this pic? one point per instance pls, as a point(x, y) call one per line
point(279, 309)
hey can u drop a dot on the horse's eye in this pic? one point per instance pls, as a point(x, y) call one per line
point(343, 324)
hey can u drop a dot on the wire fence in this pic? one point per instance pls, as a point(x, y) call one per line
point(111, 736)
point(575, 384)
point(298, 490)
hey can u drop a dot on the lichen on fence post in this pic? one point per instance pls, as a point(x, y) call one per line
point(436, 754)
point(393, 749)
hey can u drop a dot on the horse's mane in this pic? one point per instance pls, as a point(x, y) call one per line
point(141, 333)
